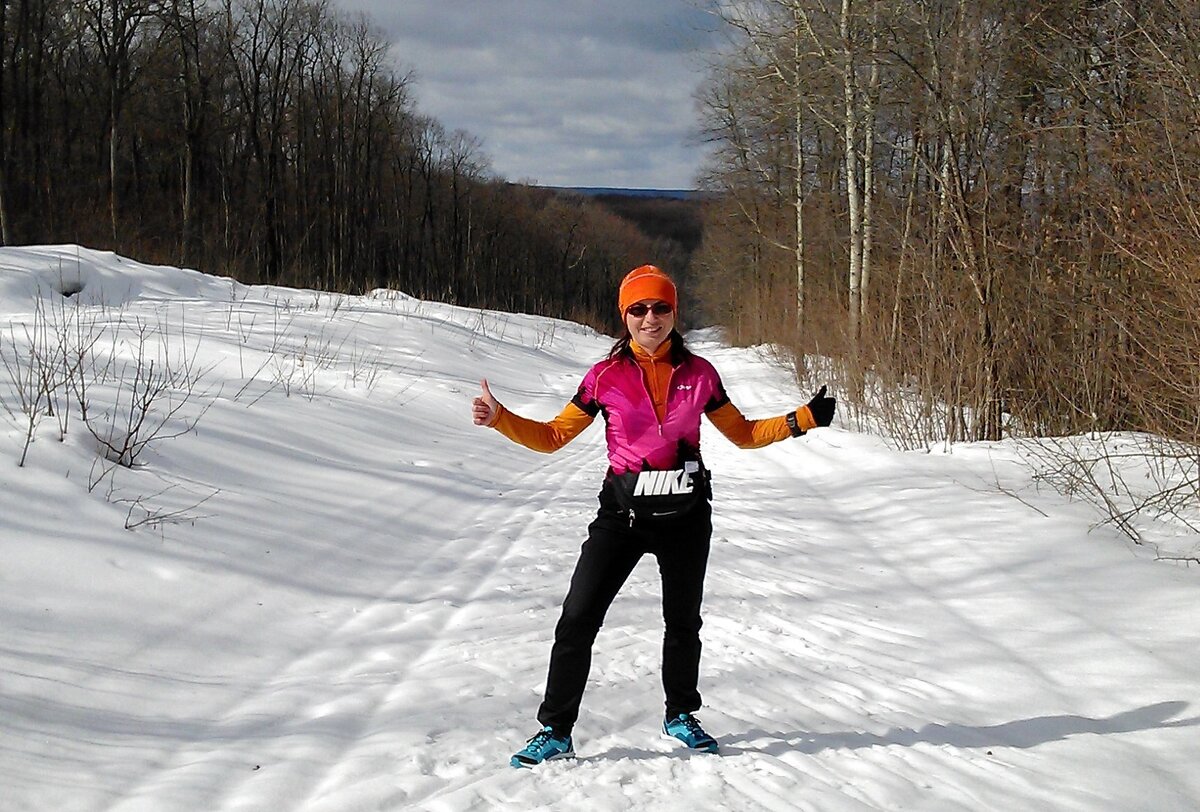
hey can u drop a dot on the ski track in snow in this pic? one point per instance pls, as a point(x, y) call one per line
point(365, 623)
point(354, 663)
point(838, 662)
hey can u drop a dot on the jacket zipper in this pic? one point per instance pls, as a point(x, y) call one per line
point(650, 395)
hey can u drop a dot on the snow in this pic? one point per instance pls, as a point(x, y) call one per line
point(339, 594)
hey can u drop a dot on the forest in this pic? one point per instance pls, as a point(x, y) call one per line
point(993, 205)
point(276, 141)
point(982, 219)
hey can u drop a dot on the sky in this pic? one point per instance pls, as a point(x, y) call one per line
point(560, 92)
point(337, 594)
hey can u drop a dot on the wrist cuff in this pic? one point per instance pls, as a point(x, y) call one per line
point(794, 425)
point(804, 417)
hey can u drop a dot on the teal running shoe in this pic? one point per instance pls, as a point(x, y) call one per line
point(543, 746)
point(686, 728)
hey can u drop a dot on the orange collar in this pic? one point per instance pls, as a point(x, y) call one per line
point(643, 355)
point(656, 370)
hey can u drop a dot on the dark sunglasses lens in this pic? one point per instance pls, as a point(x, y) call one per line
point(638, 310)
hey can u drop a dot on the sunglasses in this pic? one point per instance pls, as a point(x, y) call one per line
point(658, 308)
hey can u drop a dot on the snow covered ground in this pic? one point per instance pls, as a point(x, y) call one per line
point(338, 594)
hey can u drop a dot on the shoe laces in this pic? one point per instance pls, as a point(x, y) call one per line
point(691, 723)
point(540, 738)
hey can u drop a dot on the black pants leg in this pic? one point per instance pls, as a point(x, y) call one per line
point(605, 561)
point(682, 562)
point(610, 553)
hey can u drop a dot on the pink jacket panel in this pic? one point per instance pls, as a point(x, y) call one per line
point(617, 389)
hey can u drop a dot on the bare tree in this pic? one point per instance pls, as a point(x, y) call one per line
point(118, 31)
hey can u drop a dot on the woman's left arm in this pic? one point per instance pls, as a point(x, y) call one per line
point(746, 433)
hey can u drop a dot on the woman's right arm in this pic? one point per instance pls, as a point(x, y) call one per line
point(533, 434)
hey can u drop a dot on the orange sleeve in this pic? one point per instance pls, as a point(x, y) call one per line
point(539, 436)
point(756, 433)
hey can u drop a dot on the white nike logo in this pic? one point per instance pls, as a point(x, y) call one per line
point(662, 483)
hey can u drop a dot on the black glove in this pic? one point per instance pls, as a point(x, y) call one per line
point(822, 408)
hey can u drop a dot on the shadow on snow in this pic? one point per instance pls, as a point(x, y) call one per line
point(1021, 734)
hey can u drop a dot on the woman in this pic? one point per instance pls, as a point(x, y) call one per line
point(655, 499)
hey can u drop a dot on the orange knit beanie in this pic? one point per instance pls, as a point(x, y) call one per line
point(646, 282)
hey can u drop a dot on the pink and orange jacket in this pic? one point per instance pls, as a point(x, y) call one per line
point(652, 411)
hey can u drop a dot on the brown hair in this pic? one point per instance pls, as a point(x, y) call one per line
point(679, 350)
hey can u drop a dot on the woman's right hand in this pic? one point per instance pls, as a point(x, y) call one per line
point(485, 408)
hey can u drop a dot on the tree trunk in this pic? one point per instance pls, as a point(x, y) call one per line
point(871, 103)
point(5, 236)
point(189, 173)
point(905, 240)
point(853, 176)
point(798, 187)
point(112, 166)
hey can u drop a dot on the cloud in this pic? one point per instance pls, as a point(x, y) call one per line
point(561, 92)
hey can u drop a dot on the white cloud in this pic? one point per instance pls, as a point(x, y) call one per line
point(565, 92)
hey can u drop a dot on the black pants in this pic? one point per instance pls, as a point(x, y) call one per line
point(610, 553)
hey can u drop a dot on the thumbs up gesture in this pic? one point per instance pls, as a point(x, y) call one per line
point(485, 409)
point(822, 408)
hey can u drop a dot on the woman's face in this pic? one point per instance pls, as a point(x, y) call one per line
point(650, 321)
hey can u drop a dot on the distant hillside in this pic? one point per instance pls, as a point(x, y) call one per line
point(675, 219)
point(672, 216)
point(603, 191)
